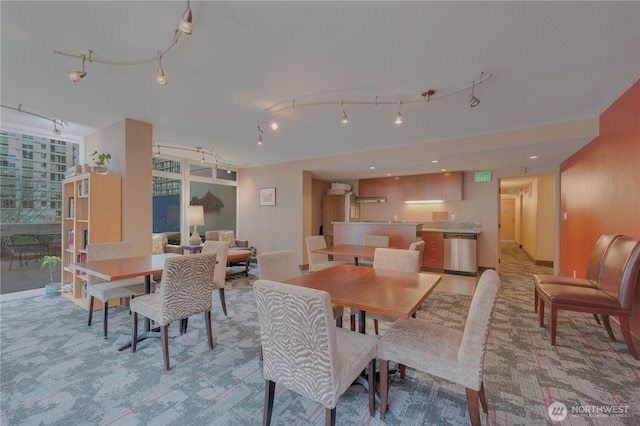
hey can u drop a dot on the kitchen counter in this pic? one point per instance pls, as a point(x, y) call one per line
point(400, 234)
point(453, 227)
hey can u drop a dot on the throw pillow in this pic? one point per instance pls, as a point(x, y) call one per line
point(227, 237)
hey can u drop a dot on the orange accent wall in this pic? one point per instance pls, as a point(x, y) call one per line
point(600, 188)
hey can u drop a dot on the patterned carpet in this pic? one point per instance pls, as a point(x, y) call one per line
point(57, 371)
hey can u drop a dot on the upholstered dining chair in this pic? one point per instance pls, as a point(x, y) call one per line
point(419, 246)
point(185, 290)
point(221, 249)
point(456, 356)
point(373, 241)
point(283, 265)
point(108, 290)
point(318, 261)
point(304, 352)
point(395, 260)
point(613, 295)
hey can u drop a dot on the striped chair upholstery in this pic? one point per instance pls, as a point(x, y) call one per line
point(304, 352)
point(442, 351)
point(185, 290)
point(283, 265)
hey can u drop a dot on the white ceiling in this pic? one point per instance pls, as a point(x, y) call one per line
point(550, 62)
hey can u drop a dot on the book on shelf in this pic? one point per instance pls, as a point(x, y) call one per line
point(70, 238)
point(82, 257)
point(85, 238)
point(72, 205)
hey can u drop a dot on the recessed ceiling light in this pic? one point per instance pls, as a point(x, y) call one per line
point(443, 170)
point(274, 125)
point(533, 157)
point(434, 161)
point(372, 167)
point(388, 174)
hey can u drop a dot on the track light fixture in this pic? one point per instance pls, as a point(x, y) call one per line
point(57, 124)
point(184, 26)
point(473, 101)
point(160, 77)
point(425, 97)
point(259, 135)
point(344, 117)
point(76, 76)
point(399, 115)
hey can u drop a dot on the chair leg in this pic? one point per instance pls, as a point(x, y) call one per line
point(541, 313)
point(403, 370)
point(384, 386)
point(607, 326)
point(352, 320)
point(330, 416)
point(535, 298)
point(339, 322)
point(90, 310)
point(375, 326)
point(164, 337)
point(134, 332)
point(105, 318)
point(483, 398)
point(554, 323)
point(372, 387)
point(472, 404)
point(597, 319)
point(269, 391)
point(222, 301)
point(184, 323)
point(626, 332)
point(207, 319)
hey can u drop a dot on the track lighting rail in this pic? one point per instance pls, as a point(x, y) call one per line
point(57, 124)
point(426, 96)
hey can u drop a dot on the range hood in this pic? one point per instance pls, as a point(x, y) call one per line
point(381, 199)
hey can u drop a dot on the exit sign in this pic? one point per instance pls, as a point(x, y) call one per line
point(482, 177)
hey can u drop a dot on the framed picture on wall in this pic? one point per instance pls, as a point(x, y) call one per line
point(268, 197)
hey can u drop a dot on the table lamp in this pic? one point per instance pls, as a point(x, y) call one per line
point(196, 217)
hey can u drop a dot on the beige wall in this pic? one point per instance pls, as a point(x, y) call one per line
point(130, 144)
point(537, 231)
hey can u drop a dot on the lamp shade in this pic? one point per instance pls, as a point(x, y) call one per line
point(196, 215)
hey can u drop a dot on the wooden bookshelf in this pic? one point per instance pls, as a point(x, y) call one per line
point(92, 212)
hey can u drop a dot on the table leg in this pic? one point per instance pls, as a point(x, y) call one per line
point(147, 321)
point(362, 325)
point(355, 261)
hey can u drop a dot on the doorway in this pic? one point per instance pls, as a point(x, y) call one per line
point(527, 217)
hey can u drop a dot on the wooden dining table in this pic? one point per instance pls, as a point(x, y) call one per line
point(353, 250)
point(393, 293)
point(128, 267)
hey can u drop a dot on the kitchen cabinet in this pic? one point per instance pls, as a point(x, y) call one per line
point(433, 186)
point(423, 187)
point(452, 186)
point(433, 257)
point(390, 187)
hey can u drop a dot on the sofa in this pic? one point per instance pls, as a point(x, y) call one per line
point(161, 245)
point(228, 236)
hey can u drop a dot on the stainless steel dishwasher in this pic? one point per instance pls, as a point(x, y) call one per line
point(460, 253)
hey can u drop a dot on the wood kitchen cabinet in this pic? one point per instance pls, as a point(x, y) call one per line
point(423, 187)
point(452, 186)
point(391, 187)
point(433, 257)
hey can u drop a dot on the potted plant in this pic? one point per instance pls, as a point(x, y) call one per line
point(100, 158)
point(51, 262)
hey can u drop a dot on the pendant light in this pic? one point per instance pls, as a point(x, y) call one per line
point(184, 24)
point(399, 116)
point(161, 78)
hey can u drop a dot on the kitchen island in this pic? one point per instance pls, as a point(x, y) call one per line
point(401, 234)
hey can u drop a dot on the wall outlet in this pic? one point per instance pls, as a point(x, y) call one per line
point(574, 273)
point(453, 217)
point(564, 215)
